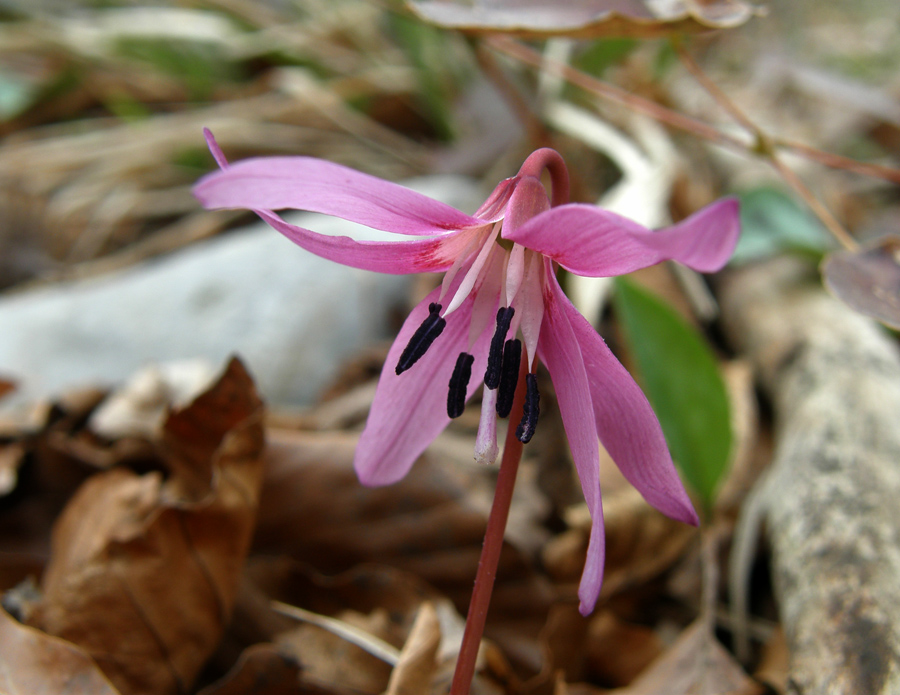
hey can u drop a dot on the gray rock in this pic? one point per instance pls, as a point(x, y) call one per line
point(292, 316)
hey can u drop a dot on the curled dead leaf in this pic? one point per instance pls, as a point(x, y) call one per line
point(868, 280)
point(695, 663)
point(414, 672)
point(35, 663)
point(585, 18)
point(144, 571)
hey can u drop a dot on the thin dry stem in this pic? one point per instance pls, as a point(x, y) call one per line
point(761, 144)
point(765, 148)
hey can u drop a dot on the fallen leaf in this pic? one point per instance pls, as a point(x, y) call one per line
point(695, 663)
point(262, 669)
point(144, 571)
point(431, 523)
point(415, 671)
point(641, 543)
point(331, 660)
point(35, 663)
point(619, 651)
point(11, 456)
point(584, 18)
point(140, 406)
point(6, 386)
point(868, 280)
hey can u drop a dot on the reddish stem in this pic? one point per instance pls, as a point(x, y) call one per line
point(552, 161)
point(490, 552)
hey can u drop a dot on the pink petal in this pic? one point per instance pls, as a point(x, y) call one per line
point(396, 257)
point(306, 183)
point(590, 241)
point(558, 349)
point(627, 425)
point(410, 410)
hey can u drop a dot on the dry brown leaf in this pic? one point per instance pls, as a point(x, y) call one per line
point(263, 669)
point(431, 523)
point(584, 18)
point(695, 664)
point(619, 651)
point(6, 386)
point(35, 663)
point(330, 660)
point(868, 280)
point(774, 664)
point(641, 543)
point(415, 671)
point(143, 571)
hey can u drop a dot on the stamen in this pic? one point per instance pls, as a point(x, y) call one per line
point(495, 355)
point(459, 382)
point(422, 339)
point(509, 376)
point(525, 430)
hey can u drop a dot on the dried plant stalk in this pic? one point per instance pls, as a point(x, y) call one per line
point(831, 496)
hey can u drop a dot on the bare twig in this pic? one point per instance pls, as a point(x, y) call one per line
point(759, 143)
point(766, 149)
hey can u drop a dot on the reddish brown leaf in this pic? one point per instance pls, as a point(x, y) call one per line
point(35, 663)
point(430, 523)
point(868, 280)
point(695, 663)
point(6, 386)
point(584, 18)
point(143, 571)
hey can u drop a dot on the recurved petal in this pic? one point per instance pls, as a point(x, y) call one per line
point(588, 240)
point(410, 410)
point(627, 425)
point(427, 255)
point(306, 183)
point(559, 351)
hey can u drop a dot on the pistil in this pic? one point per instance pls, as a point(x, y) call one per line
point(531, 410)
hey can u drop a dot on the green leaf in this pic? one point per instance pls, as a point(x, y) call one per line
point(681, 378)
point(603, 54)
point(438, 71)
point(772, 222)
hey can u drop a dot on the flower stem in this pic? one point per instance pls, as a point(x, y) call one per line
point(490, 552)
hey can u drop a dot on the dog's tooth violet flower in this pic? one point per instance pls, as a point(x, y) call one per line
point(499, 304)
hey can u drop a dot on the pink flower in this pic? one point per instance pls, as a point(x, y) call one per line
point(499, 303)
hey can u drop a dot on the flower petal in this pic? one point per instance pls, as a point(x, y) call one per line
point(395, 257)
point(558, 349)
point(627, 425)
point(590, 241)
point(306, 183)
point(410, 410)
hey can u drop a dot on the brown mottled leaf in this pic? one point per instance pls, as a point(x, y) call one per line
point(430, 523)
point(584, 18)
point(695, 663)
point(35, 663)
point(868, 280)
point(415, 671)
point(144, 571)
